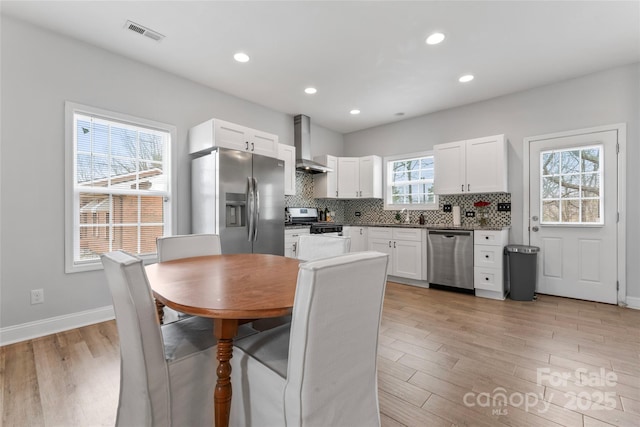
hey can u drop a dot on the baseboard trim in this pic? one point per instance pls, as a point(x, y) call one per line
point(41, 328)
point(633, 302)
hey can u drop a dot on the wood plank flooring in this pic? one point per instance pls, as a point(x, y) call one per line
point(445, 359)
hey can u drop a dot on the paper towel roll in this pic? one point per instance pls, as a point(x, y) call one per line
point(456, 216)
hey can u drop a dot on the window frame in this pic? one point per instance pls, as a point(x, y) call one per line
point(580, 198)
point(387, 184)
point(72, 213)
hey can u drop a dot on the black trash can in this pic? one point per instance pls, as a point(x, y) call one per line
point(521, 263)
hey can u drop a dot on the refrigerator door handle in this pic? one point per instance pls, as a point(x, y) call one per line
point(256, 218)
point(250, 206)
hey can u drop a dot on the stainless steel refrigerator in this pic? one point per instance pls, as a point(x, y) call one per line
point(239, 196)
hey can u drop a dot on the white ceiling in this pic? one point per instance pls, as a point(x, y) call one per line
point(360, 54)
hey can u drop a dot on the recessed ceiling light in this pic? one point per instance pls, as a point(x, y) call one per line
point(310, 90)
point(466, 78)
point(354, 112)
point(241, 57)
point(435, 38)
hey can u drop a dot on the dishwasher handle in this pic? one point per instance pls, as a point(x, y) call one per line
point(451, 233)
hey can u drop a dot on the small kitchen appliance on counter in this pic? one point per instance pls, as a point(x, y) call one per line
point(309, 216)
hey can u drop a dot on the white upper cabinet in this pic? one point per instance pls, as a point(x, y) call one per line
point(473, 166)
point(288, 154)
point(370, 177)
point(348, 177)
point(325, 185)
point(360, 177)
point(352, 178)
point(218, 133)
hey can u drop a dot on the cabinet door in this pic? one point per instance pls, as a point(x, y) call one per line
point(348, 177)
point(407, 259)
point(449, 168)
point(370, 177)
point(358, 237)
point(230, 135)
point(263, 143)
point(325, 185)
point(288, 154)
point(486, 165)
point(384, 246)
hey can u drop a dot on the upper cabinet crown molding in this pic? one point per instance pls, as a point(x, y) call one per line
point(353, 178)
point(473, 166)
point(219, 133)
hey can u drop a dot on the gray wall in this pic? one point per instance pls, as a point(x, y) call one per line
point(42, 70)
point(603, 98)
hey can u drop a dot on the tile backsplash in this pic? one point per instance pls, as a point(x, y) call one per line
point(372, 210)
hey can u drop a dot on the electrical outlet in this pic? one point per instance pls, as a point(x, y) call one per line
point(446, 208)
point(358, 213)
point(504, 207)
point(37, 296)
point(470, 214)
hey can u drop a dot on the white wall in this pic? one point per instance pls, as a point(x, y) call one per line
point(603, 98)
point(42, 70)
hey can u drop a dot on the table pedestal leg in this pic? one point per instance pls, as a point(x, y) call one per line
point(160, 311)
point(224, 331)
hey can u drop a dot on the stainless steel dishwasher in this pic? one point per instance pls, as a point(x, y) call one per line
point(450, 258)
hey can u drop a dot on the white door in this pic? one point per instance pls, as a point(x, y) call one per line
point(407, 259)
point(573, 209)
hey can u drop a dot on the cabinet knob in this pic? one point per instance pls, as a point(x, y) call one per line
point(486, 256)
point(486, 237)
point(253, 147)
point(247, 142)
point(486, 278)
point(462, 187)
point(468, 187)
point(389, 243)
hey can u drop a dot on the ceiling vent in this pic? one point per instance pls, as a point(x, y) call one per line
point(144, 31)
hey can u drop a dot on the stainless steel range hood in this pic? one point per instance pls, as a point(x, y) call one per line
point(302, 141)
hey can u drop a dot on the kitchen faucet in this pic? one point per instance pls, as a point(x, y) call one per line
point(407, 220)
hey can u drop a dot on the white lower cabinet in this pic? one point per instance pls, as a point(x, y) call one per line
point(291, 241)
point(488, 264)
point(358, 237)
point(405, 247)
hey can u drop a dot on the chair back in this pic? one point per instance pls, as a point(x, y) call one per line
point(334, 341)
point(312, 247)
point(187, 246)
point(144, 378)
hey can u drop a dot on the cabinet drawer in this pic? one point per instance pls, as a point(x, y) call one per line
point(489, 279)
point(413, 234)
point(380, 233)
point(487, 237)
point(487, 256)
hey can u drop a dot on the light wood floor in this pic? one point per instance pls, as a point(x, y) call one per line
point(446, 359)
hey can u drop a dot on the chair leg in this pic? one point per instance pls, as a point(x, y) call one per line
point(160, 311)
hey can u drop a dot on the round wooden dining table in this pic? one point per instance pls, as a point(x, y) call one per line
point(230, 289)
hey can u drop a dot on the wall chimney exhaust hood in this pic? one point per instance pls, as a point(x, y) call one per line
point(302, 141)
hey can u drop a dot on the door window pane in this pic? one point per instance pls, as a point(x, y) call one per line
point(571, 186)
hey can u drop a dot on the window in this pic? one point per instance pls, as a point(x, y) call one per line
point(571, 186)
point(409, 182)
point(118, 185)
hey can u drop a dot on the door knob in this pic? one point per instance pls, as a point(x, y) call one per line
point(534, 229)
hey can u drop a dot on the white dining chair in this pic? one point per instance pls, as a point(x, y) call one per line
point(185, 246)
point(167, 372)
point(319, 370)
point(312, 247)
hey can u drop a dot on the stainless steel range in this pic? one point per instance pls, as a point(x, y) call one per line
point(309, 216)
